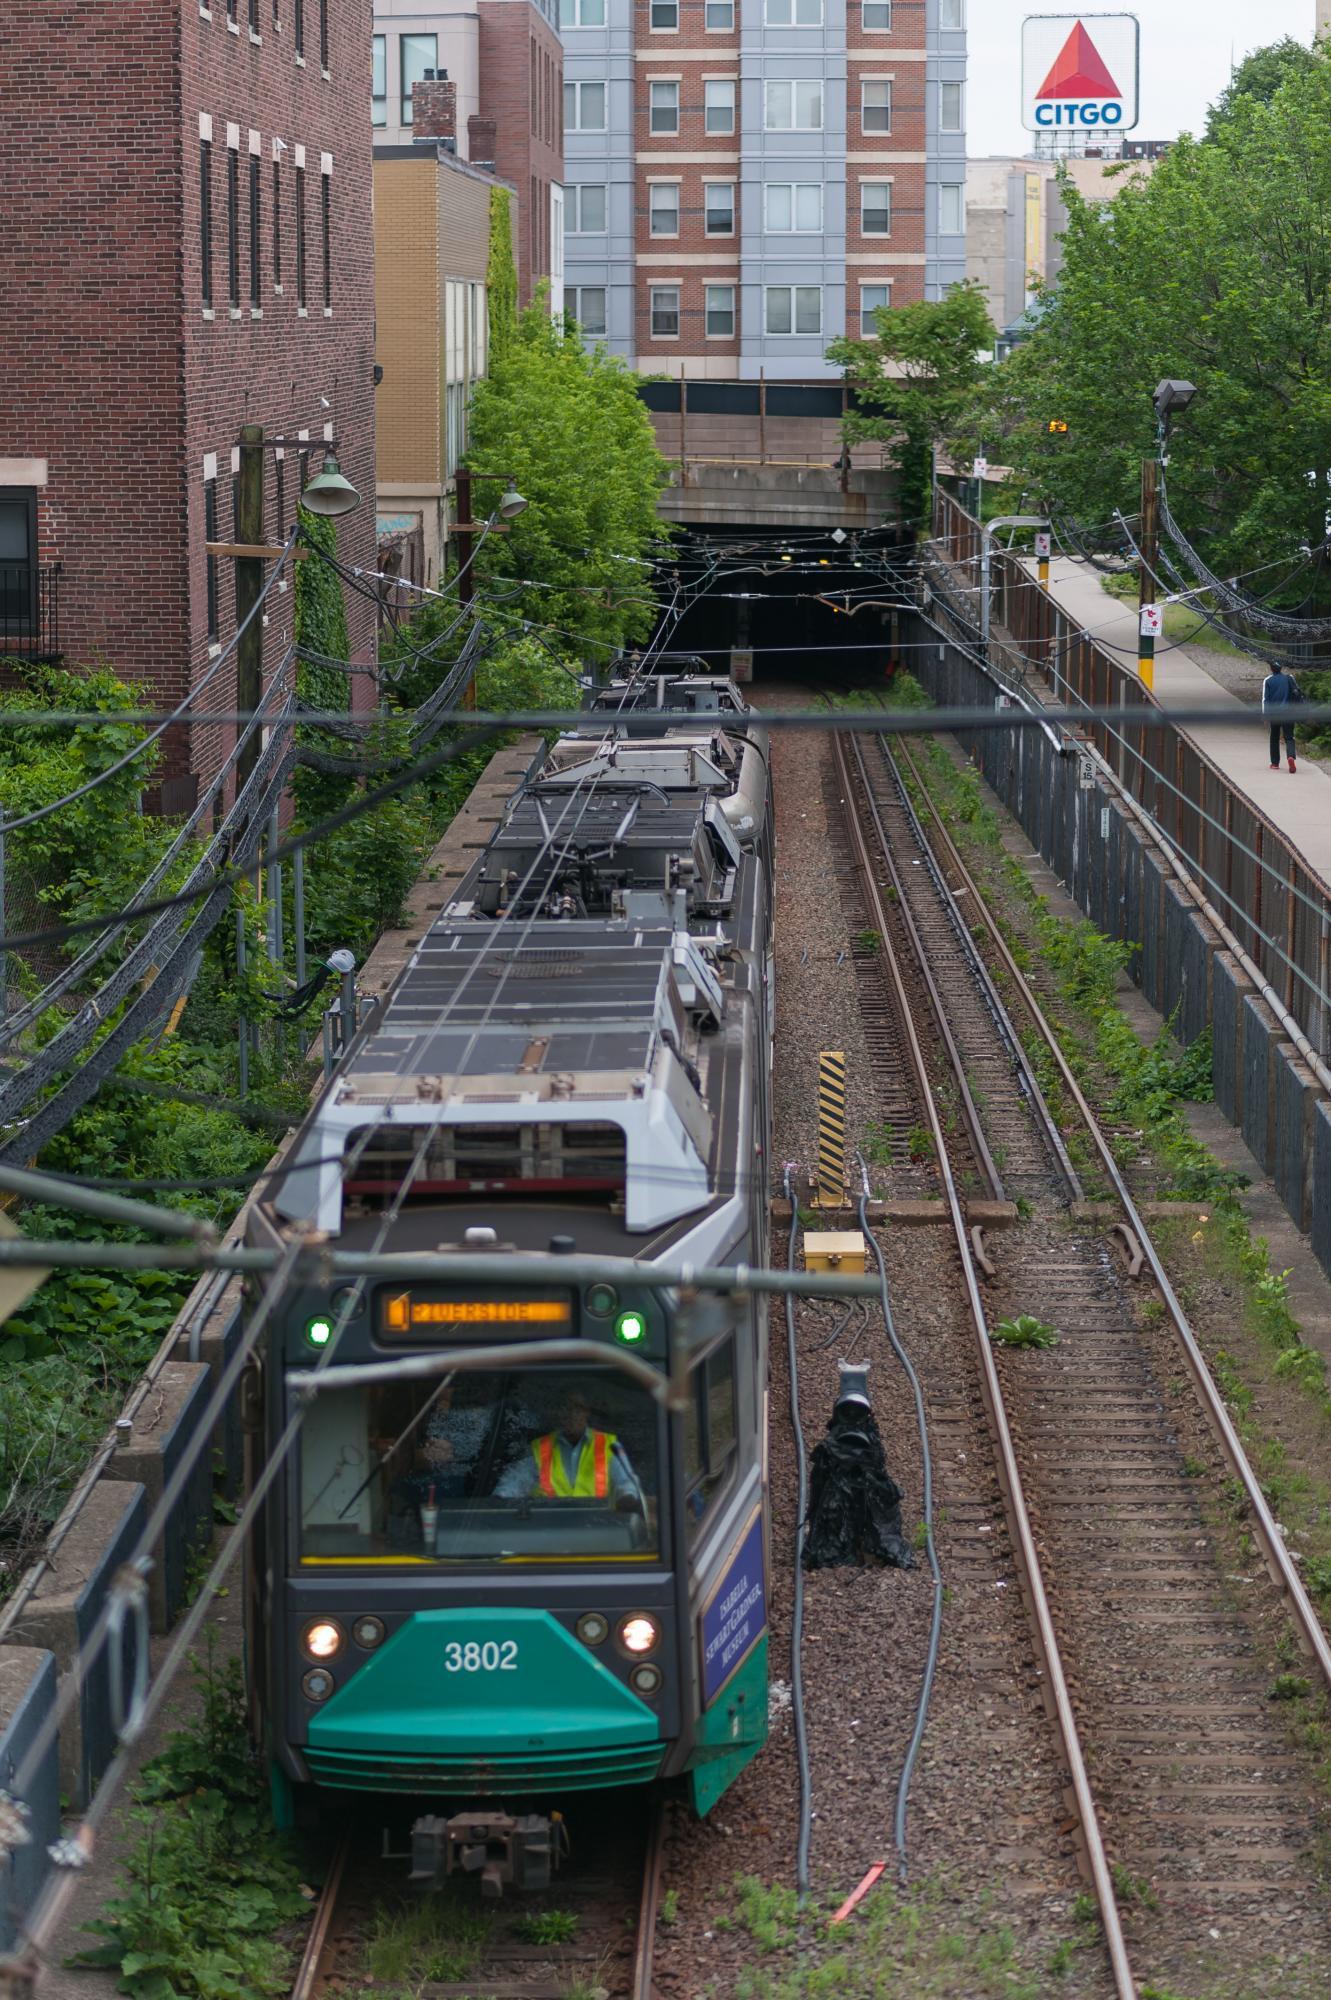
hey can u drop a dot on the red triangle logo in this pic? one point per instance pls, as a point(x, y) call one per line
point(1079, 71)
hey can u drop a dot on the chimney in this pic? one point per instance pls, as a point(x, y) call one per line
point(434, 111)
point(481, 135)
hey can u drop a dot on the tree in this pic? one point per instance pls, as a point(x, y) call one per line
point(910, 382)
point(1218, 269)
point(1259, 76)
point(501, 273)
point(570, 427)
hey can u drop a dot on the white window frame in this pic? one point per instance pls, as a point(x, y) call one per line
point(725, 84)
point(886, 186)
point(708, 310)
point(957, 190)
point(707, 190)
point(944, 97)
point(575, 195)
point(786, 13)
point(876, 131)
point(869, 27)
point(578, 125)
point(663, 198)
point(571, 13)
point(795, 227)
point(726, 24)
point(655, 83)
point(879, 285)
point(379, 99)
point(956, 9)
point(660, 291)
point(794, 331)
point(579, 293)
point(793, 85)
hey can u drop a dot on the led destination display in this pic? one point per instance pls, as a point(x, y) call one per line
point(438, 1311)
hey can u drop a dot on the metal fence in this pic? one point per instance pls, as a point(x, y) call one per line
point(1277, 907)
point(29, 611)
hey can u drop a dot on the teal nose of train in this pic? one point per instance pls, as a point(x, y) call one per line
point(483, 1701)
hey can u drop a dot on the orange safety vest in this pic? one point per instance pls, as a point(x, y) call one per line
point(591, 1480)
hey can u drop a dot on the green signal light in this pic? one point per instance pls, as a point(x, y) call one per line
point(319, 1331)
point(631, 1328)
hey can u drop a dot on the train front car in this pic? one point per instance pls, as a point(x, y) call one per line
point(495, 1586)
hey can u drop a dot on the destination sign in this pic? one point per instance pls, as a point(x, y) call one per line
point(438, 1312)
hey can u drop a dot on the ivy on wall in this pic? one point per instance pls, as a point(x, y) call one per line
point(501, 273)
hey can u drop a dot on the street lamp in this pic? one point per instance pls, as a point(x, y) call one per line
point(329, 493)
point(1171, 398)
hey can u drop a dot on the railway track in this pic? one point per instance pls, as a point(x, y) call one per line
point(1194, 1822)
point(592, 1934)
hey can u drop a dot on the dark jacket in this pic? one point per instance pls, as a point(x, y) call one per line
point(1280, 689)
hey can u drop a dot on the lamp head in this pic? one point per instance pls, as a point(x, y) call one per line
point(512, 504)
point(1171, 398)
point(329, 493)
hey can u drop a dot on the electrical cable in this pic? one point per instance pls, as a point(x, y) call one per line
point(804, 1834)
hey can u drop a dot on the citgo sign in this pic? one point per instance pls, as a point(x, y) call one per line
point(1079, 72)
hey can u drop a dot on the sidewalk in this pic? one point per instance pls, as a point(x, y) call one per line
point(1298, 806)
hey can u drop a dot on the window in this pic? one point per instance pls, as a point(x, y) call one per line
point(582, 13)
point(719, 208)
point(379, 81)
point(499, 1465)
point(584, 107)
point(719, 104)
point(795, 107)
point(326, 224)
point(210, 535)
point(951, 13)
point(949, 107)
point(720, 303)
point(418, 53)
point(254, 231)
point(876, 208)
point(277, 225)
point(18, 560)
point(588, 307)
point(664, 98)
point(665, 312)
point(281, 474)
point(873, 298)
point(323, 34)
point(300, 236)
point(876, 104)
point(794, 309)
point(233, 227)
point(254, 17)
point(299, 26)
point(952, 209)
point(231, 10)
point(793, 207)
point(663, 208)
point(206, 219)
point(665, 14)
point(876, 17)
point(586, 210)
point(719, 16)
point(793, 13)
point(710, 1431)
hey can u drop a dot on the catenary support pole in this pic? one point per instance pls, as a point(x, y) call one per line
point(1150, 556)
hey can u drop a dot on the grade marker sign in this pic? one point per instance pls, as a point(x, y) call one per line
point(1080, 72)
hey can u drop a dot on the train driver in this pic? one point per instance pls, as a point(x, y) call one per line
point(573, 1462)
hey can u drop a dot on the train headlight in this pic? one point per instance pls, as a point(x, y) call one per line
point(322, 1640)
point(318, 1684)
point(631, 1329)
point(645, 1679)
point(638, 1633)
point(368, 1632)
point(592, 1628)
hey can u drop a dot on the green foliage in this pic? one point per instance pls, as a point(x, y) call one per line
point(207, 1883)
point(1213, 268)
point(320, 628)
point(548, 1927)
point(1289, 1687)
point(1258, 77)
point(570, 427)
point(1023, 1331)
point(501, 274)
point(938, 347)
point(434, 1938)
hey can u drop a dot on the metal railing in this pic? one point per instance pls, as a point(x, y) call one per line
point(29, 611)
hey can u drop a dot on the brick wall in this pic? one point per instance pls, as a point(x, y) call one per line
point(522, 90)
point(408, 306)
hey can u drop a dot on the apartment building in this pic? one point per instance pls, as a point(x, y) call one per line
point(187, 202)
point(747, 179)
point(505, 59)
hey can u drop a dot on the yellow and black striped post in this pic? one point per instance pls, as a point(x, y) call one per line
point(832, 1129)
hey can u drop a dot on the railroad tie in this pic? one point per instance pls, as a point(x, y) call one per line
point(832, 1129)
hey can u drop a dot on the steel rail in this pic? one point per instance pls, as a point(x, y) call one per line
point(1279, 1563)
point(649, 1904)
point(313, 1968)
point(1014, 1496)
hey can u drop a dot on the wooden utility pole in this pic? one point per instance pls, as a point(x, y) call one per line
point(1148, 617)
point(249, 585)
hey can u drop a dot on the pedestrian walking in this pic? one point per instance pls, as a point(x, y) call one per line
point(1281, 694)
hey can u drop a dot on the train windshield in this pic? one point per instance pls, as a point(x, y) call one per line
point(541, 1465)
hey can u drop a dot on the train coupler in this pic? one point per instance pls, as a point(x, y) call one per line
point(520, 1851)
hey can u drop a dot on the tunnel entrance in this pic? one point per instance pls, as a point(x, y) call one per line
point(818, 608)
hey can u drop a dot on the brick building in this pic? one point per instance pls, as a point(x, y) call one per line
point(505, 59)
point(747, 179)
point(187, 197)
point(432, 248)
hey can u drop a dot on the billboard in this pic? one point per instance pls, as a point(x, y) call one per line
point(1079, 72)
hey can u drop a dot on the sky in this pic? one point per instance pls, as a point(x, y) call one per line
point(1186, 53)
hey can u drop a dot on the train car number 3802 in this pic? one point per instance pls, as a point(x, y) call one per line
point(493, 1656)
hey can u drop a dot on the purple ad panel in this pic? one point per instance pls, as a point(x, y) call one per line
point(736, 1617)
